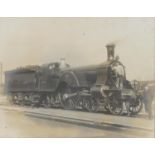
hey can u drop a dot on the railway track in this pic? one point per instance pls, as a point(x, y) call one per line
point(92, 120)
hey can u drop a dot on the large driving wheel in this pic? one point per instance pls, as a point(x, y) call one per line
point(115, 106)
point(67, 102)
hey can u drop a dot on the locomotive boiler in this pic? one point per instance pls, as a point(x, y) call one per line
point(58, 85)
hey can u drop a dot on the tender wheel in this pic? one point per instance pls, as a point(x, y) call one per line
point(48, 101)
point(115, 106)
point(135, 107)
point(11, 99)
point(90, 104)
point(15, 99)
point(52, 101)
point(26, 100)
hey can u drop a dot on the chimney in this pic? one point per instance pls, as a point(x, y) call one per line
point(110, 51)
point(62, 63)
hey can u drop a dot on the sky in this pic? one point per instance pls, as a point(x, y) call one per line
point(82, 41)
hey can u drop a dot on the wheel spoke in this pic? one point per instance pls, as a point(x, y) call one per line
point(115, 106)
point(90, 104)
point(135, 107)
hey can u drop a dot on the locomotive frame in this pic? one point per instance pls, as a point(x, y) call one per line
point(90, 88)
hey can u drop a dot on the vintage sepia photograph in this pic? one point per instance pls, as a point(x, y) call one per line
point(77, 77)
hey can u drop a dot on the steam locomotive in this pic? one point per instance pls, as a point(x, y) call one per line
point(89, 88)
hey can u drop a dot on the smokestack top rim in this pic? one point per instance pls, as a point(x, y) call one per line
point(110, 45)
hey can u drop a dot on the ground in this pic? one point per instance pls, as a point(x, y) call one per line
point(19, 121)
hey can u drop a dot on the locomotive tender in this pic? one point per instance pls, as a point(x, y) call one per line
point(59, 85)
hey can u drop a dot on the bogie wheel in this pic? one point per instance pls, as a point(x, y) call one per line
point(90, 104)
point(115, 106)
point(106, 105)
point(135, 107)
